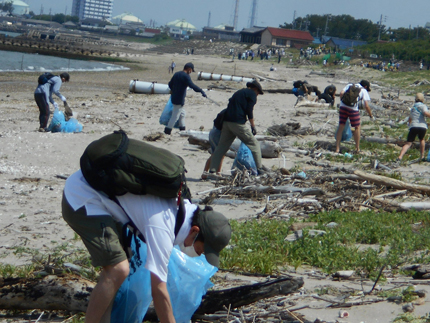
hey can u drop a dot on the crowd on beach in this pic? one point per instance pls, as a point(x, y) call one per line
point(96, 217)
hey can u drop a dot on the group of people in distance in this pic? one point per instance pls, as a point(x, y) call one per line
point(96, 217)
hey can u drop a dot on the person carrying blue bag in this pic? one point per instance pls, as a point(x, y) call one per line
point(98, 206)
point(178, 85)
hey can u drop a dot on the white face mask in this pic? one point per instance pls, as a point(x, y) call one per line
point(189, 251)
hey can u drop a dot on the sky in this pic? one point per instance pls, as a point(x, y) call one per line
point(272, 13)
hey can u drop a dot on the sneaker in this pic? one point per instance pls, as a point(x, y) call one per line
point(42, 130)
point(167, 131)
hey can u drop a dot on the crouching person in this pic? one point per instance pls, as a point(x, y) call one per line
point(97, 219)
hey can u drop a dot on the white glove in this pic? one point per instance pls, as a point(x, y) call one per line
point(55, 105)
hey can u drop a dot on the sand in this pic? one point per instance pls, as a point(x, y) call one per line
point(33, 164)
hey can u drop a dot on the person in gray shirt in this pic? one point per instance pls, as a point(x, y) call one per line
point(417, 126)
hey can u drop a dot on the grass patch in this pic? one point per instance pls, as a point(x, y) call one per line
point(258, 246)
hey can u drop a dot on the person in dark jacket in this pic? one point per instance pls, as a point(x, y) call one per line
point(178, 85)
point(43, 96)
point(329, 94)
point(240, 109)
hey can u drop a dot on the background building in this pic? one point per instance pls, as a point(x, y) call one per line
point(97, 9)
point(19, 7)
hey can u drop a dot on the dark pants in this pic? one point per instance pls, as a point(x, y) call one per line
point(43, 105)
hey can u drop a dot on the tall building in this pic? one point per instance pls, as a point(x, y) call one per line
point(97, 9)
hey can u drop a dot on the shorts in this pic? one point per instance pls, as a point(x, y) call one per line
point(353, 115)
point(100, 234)
point(416, 131)
point(214, 136)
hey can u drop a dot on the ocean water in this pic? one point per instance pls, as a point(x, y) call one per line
point(15, 61)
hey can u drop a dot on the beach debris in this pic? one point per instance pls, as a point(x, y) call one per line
point(343, 314)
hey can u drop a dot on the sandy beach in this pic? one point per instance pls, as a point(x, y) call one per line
point(33, 165)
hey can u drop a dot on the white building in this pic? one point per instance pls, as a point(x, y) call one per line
point(19, 7)
point(126, 18)
point(96, 9)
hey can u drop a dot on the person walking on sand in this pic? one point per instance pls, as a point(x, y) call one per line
point(417, 126)
point(43, 95)
point(172, 67)
point(240, 109)
point(214, 136)
point(178, 85)
point(351, 111)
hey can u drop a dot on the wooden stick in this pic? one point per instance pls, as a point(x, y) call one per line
point(402, 192)
point(387, 181)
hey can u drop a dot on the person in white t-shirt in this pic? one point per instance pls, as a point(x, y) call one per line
point(98, 221)
point(353, 114)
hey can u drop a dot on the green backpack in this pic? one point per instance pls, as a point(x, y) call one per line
point(116, 165)
point(350, 97)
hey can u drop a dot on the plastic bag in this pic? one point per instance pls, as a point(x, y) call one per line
point(167, 114)
point(187, 281)
point(244, 159)
point(72, 126)
point(346, 133)
point(58, 121)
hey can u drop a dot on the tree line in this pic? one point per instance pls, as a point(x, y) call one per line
point(346, 26)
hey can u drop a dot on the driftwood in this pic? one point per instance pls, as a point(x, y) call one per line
point(310, 104)
point(72, 294)
point(269, 148)
point(397, 142)
point(277, 190)
point(391, 182)
point(284, 129)
point(69, 293)
point(240, 296)
point(286, 91)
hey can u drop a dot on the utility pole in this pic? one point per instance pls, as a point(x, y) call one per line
point(209, 19)
point(307, 23)
point(318, 29)
point(236, 15)
point(380, 26)
point(294, 20)
point(253, 14)
point(326, 24)
point(65, 11)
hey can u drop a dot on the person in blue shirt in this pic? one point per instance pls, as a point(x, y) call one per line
point(178, 85)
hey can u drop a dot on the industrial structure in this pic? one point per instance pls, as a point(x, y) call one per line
point(96, 9)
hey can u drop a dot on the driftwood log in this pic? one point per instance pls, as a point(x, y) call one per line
point(270, 147)
point(71, 293)
point(391, 182)
point(244, 295)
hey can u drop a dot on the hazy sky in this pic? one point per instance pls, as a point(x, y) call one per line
point(269, 12)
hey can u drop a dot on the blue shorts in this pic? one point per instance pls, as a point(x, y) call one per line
point(214, 136)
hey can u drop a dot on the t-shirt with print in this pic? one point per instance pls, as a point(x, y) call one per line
point(417, 115)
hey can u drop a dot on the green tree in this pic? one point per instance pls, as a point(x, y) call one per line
point(7, 7)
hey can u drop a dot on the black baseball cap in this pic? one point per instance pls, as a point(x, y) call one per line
point(365, 83)
point(255, 84)
point(189, 65)
point(216, 231)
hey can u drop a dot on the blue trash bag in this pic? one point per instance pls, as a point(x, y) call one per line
point(167, 114)
point(245, 160)
point(58, 121)
point(72, 126)
point(187, 281)
point(346, 133)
